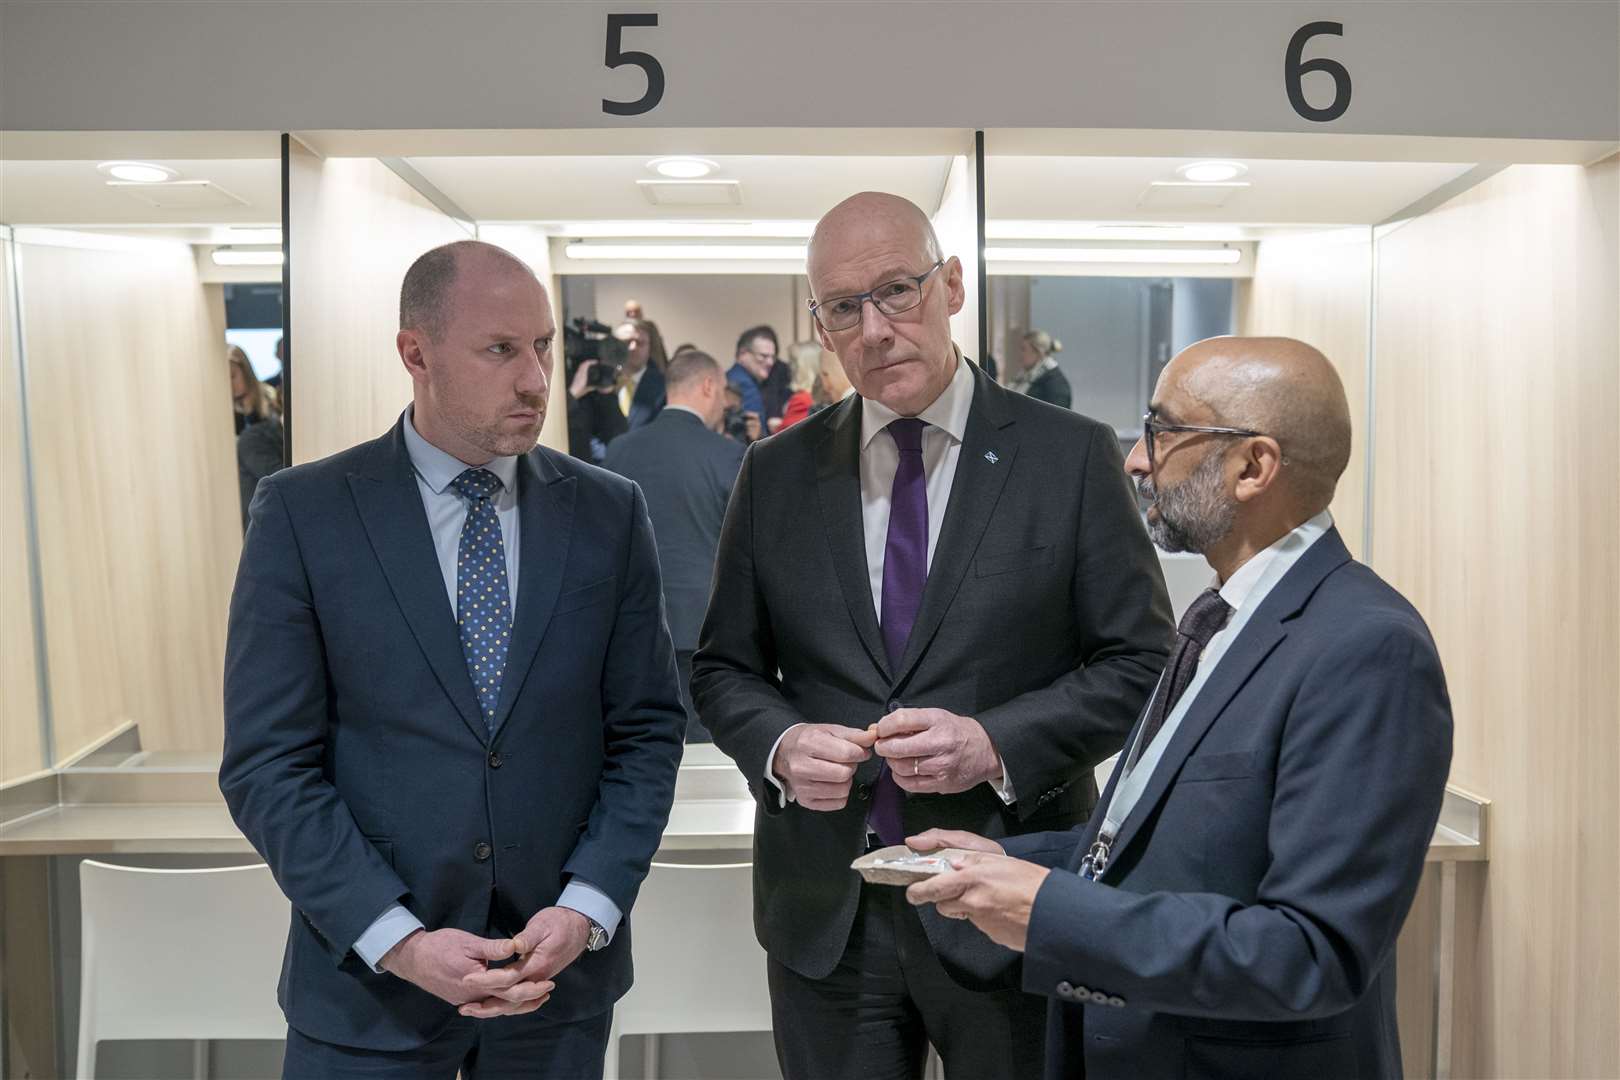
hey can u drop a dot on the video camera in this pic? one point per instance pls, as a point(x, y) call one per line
point(586, 339)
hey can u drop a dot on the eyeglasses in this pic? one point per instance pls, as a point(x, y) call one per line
point(1152, 426)
point(891, 298)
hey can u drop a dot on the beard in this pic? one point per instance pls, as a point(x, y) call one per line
point(1193, 515)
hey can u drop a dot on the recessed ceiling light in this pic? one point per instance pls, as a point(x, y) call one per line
point(137, 172)
point(682, 168)
point(1212, 172)
point(237, 257)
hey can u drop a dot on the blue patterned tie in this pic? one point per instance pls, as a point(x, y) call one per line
point(483, 598)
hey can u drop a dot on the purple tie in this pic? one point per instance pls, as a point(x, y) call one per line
point(905, 572)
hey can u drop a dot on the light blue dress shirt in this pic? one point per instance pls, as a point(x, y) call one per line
point(446, 511)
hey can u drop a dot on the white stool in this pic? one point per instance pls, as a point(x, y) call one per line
point(698, 966)
point(179, 954)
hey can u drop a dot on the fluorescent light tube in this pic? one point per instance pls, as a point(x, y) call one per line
point(1226, 256)
point(227, 257)
point(791, 252)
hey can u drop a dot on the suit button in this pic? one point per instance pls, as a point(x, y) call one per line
point(863, 792)
point(495, 760)
point(1117, 1002)
point(895, 706)
point(1082, 994)
point(481, 852)
point(1065, 989)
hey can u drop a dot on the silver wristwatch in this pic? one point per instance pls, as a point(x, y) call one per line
point(597, 939)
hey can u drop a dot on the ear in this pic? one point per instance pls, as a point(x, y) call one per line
point(955, 293)
point(1262, 467)
point(409, 344)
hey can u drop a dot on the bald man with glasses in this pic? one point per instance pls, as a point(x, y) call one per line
point(935, 605)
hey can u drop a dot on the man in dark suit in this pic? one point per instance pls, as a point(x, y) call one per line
point(951, 576)
point(1232, 908)
point(687, 469)
point(451, 718)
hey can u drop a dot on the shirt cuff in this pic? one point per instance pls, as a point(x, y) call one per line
point(390, 928)
point(1005, 788)
point(581, 896)
point(770, 767)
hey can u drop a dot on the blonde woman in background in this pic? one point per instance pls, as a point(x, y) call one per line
point(259, 434)
point(804, 362)
point(251, 399)
point(1038, 374)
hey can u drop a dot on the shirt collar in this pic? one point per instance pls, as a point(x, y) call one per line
point(438, 468)
point(1240, 588)
point(949, 412)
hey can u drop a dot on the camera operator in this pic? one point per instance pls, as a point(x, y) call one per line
point(595, 360)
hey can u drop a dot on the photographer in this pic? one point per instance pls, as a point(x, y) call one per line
point(595, 360)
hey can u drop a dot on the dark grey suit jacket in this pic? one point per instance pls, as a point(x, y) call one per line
point(686, 473)
point(1246, 925)
point(1044, 617)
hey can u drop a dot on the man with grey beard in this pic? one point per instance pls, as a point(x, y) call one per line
point(1232, 907)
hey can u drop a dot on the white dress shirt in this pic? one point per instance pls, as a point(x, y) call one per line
point(947, 420)
point(446, 513)
point(1244, 592)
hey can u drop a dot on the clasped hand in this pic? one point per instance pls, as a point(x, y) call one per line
point(454, 965)
point(928, 750)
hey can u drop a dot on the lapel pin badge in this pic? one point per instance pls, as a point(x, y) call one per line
point(990, 456)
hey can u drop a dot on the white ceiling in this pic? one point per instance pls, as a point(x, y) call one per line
point(75, 193)
point(1279, 192)
point(597, 188)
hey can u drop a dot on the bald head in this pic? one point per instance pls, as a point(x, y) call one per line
point(867, 217)
point(425, 294)
point(1282, 388)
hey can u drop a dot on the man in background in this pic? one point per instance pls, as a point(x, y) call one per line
point(686, 470)
point(762, 379)
point(1233, 906)
point(640, 393)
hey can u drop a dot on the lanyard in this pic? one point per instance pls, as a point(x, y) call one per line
point(1134, 779)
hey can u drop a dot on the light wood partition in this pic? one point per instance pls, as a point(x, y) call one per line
point(21, 751)
point(1317, 288)
point(134, 469)
point(957, 223)
point(1496, 510)
point(355, 228)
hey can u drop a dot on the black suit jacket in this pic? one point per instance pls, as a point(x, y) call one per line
point(1052, 387)
point(686, 472)
point(1246, 924)
point(1044, 617)
point(356, 760)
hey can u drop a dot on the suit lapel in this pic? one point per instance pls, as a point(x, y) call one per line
point(1264, 632)
point(838, 487)
point(975, 490)
point(545, 526)
point(390, 508)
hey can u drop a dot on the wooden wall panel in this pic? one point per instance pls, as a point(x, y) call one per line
point(21, 752)
point(1496, 510)
point(135, 484)
point(356, 228)
point(1316, 288)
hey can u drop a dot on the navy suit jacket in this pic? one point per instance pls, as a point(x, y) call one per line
point(648, 400)
point(356, 761)
point(1246, 923)
point(686, 472)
